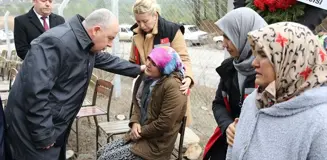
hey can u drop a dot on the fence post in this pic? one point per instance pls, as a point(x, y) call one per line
point(7, 33)
point(230, 6)
point(115, 50)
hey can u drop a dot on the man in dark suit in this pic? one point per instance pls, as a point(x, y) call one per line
point(29, 26)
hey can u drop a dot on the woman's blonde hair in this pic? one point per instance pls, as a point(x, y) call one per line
point(146, 6)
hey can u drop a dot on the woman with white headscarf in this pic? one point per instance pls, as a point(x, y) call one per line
point(236, 77)
point(286, 117)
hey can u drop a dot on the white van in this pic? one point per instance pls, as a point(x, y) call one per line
point(3, 35)
point(125, 34)
point(193, 35)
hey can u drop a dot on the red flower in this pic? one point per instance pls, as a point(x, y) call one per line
point(291, 2)
point(259, 4)
point(270, 2)
point(281, 4)
point(305, 74)
point(284, 4)
point(273, 5)
point(281, 40)
point(272, 8)
point(322, 55)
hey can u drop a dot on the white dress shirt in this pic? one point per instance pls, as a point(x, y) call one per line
point(41, 20)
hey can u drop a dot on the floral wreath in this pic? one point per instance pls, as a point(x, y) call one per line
point(277, 10)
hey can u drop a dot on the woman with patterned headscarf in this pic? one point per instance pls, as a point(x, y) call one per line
point(159, 107)
point(286, 117)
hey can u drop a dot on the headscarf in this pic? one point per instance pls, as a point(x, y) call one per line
point(236, 24)
point(167, 60)
point(298, 58)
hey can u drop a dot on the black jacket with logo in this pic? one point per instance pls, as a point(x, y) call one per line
point(226, 107)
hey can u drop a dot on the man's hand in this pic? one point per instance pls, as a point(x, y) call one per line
point(230, 132)
point(322, 33)
point(186, 85)
point(48, 147)
point(135, 132)
point(142, 67)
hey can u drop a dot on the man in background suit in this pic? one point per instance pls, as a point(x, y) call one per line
point(29, 26)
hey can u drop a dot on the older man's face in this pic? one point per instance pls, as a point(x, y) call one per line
point(104, 36)
point(43, 7)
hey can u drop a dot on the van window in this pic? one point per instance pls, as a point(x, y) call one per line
point(193, 29)
point(123, 30)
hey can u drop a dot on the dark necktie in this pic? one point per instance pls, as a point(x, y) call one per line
point(45, 24)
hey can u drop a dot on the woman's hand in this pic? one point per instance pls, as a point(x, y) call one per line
point(186, 85)
point(135, 132)
point(230, 132)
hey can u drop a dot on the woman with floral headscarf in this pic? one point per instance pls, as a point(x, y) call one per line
point(286, 117)
point(159, 107)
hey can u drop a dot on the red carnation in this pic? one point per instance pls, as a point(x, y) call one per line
point(281, 4)
point(291, 2)
point(270, 2)
point(259, 4)
point(285, 4)
point(272, 8)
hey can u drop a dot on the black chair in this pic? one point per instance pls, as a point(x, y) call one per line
point(181, 139)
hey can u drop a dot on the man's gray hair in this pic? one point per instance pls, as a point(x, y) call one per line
point(102, 17)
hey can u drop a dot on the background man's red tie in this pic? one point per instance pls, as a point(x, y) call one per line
point(45, 24)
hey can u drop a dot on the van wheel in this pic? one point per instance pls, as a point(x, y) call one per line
point(189, 43)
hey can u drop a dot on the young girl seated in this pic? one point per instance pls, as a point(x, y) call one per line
point(159, 107)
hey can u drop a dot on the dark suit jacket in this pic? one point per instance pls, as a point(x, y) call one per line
point(27, 27)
